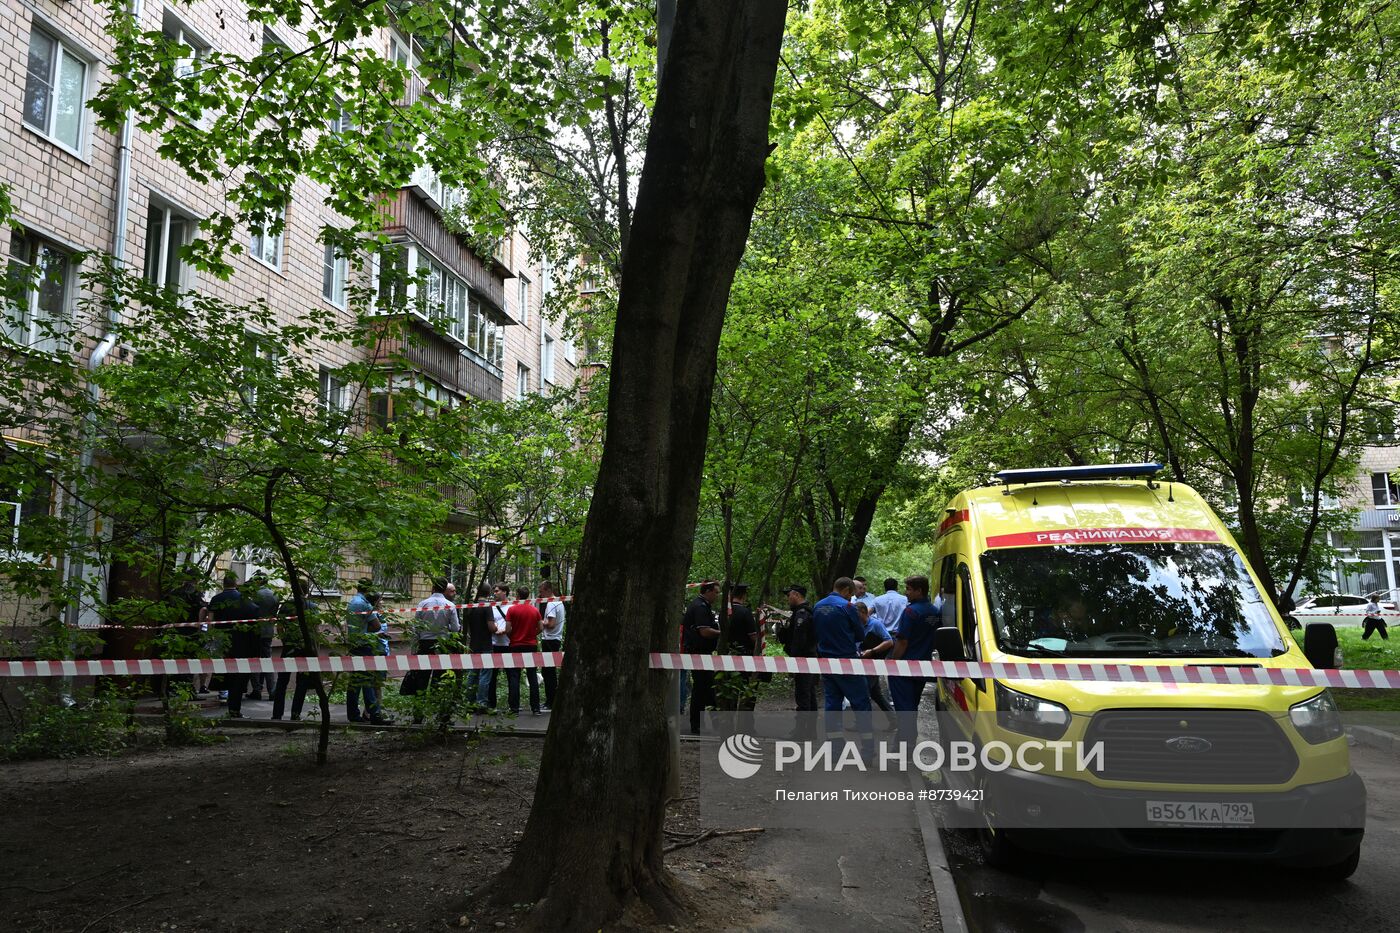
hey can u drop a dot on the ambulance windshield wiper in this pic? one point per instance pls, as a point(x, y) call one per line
point(1037, 649)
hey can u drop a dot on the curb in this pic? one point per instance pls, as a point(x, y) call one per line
point(1374, 738)
point(950, 910)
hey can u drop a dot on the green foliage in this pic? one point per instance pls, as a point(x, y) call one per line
point(1022, 234)
point(49, 724)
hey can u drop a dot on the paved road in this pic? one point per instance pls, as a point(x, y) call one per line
point(1148, 896)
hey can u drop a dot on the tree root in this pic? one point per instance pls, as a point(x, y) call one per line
point(710, 834)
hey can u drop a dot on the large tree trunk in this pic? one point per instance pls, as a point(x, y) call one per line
point(592, 847)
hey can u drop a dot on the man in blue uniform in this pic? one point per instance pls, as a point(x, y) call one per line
point(839, 634)
point(913, 642)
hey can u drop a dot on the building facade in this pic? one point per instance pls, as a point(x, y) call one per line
point(76, 188)
point(1368, 558)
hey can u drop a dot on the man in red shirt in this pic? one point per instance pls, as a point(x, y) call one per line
point(524, 621)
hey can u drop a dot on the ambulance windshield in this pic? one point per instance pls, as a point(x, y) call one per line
point(1128, 600)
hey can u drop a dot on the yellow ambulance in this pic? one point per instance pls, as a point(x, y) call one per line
point(1109, 564)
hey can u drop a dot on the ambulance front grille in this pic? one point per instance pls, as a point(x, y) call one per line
point(1192, 746)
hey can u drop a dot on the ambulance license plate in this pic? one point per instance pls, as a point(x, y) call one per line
point(1199, 813)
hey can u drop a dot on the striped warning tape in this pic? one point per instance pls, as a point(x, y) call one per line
point(1041, 670)
point(1240, 674)
point(334, 611)
point(395, 664)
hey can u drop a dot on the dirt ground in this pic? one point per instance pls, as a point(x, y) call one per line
point(248, 835)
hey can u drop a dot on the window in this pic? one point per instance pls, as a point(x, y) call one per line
point(267, 240)
point(334, 273)
point(1362, 561)
point(1107, 600)
point(21, 508)
point(393, 284)
point(522, 300)
point(1378, 426)
point(443, 298)
point(401, 51)
point(261, 359)
point(522, 381)
point(332, 394)
point(166, 231)
point(41, 319)
point(971, 646)
point(1385, 492)
point(340, 122)
point(55, 90)
point(392, 578)
point(190, 51)
point(547, 360)
point(570, 354)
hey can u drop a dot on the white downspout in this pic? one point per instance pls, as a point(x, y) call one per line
point(103, 350)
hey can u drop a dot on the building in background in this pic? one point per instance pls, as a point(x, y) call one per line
point(76, 189)
point(1368, 556)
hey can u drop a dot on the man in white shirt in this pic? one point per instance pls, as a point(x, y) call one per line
point(500, 644)
point(890, 605)
point(1373, 621)
point(435, 619)
point(551, 636)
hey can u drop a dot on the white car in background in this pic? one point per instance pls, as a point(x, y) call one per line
point(1339, 609)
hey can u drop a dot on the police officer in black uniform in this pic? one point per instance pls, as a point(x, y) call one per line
point(700, 635)
point(799, 640)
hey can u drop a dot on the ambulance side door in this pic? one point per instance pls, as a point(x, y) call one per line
point(956, 696)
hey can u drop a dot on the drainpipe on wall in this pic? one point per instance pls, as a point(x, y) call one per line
point(100, 353)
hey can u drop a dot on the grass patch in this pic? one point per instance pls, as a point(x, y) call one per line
point(1374, 654)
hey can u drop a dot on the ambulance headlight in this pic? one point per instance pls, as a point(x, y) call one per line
point(1029, 715)
point(1317, 720)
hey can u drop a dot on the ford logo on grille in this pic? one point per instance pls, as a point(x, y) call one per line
point(1189, 744)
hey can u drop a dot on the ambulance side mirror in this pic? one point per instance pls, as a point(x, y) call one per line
point(947, 641)
point(1320, 644)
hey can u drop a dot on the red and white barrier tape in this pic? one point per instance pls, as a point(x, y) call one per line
point(1041, 670)
point(335, 611)
point(394, 664)
point(1032, 670)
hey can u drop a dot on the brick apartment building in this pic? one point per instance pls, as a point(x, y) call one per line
point(1369, 554)
point(75, 189)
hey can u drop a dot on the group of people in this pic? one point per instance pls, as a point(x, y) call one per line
point(849, 622)
point(510, 623)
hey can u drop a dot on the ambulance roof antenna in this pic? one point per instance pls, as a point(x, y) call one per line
point(1169, 493)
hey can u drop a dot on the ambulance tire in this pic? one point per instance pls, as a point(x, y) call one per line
point(1339, 871)
point(997, 850)
point(997, 847)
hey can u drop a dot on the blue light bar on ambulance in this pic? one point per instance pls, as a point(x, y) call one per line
point(1071, 474)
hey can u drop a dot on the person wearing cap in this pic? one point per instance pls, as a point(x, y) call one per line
point(700, 635)
point(798, 638)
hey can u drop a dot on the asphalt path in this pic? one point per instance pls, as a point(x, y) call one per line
point(1060, 895)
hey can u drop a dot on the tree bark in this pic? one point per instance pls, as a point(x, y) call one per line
point(592, 847)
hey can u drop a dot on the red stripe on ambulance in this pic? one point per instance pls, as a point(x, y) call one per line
point(1104, 536)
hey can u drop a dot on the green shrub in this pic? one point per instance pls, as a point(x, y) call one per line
point(50, 724)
